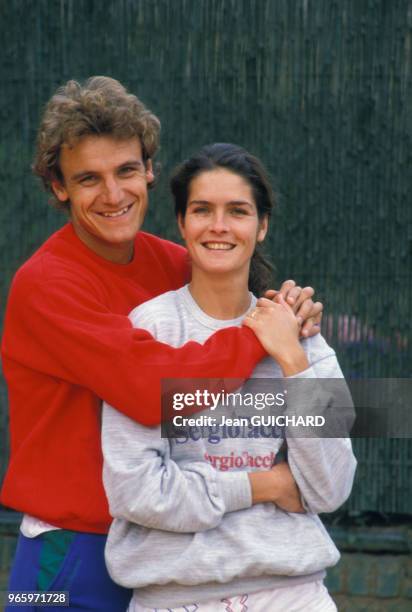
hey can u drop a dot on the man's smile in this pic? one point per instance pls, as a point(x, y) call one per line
point(117, 213)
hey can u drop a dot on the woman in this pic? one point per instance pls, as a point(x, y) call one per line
point(188, 536)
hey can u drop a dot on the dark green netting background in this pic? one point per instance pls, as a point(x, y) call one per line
point(320, 89)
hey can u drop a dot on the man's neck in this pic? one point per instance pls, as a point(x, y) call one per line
point(121, 253)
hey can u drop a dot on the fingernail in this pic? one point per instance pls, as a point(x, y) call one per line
point(299, 320)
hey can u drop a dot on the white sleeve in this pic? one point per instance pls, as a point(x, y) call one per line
point(145, 486)
point(323, 468)
point(143, 483)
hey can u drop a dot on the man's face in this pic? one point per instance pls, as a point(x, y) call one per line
point(105, 180)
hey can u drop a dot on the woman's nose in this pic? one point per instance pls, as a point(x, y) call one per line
point(219, 223)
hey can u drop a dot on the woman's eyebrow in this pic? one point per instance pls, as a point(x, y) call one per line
point(241, 202)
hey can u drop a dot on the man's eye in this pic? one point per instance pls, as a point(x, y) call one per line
point(200, 210)
point(127, 170)
point(239, 211)
point(88, 180)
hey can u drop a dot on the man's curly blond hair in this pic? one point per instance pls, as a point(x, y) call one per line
point(101, 106)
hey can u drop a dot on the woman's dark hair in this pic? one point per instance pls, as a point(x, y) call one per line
point(239, 161)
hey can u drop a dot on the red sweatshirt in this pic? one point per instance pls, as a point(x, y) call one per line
point(68, 344)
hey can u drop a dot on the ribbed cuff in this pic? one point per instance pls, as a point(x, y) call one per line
point(235, 490)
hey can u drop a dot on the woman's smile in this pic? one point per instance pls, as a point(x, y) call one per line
point(221, 225)
point(219, 246)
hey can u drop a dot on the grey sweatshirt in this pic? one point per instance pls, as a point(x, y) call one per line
point(184, 530)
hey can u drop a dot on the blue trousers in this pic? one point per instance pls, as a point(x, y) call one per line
point(80, 570)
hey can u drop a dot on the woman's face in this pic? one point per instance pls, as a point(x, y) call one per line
point(221, 224)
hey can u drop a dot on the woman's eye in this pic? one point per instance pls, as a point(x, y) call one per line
point(200, 210)
point(239, 211)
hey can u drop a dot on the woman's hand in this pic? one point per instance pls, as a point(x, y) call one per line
point(277, 328)
point(308, 313)
point(277, 486)
point(287, 495)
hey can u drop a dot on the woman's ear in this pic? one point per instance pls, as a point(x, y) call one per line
point(181, 225)
point(263, 228)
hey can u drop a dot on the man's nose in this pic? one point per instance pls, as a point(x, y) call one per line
point(112, 192)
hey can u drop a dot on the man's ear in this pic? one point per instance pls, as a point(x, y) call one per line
point(149, 172)
point(59, 191)
point(181, 225)
point(263, 228)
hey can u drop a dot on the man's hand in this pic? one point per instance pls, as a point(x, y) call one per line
point(308, 313)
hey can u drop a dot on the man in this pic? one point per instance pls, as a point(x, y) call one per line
point(68, 343)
